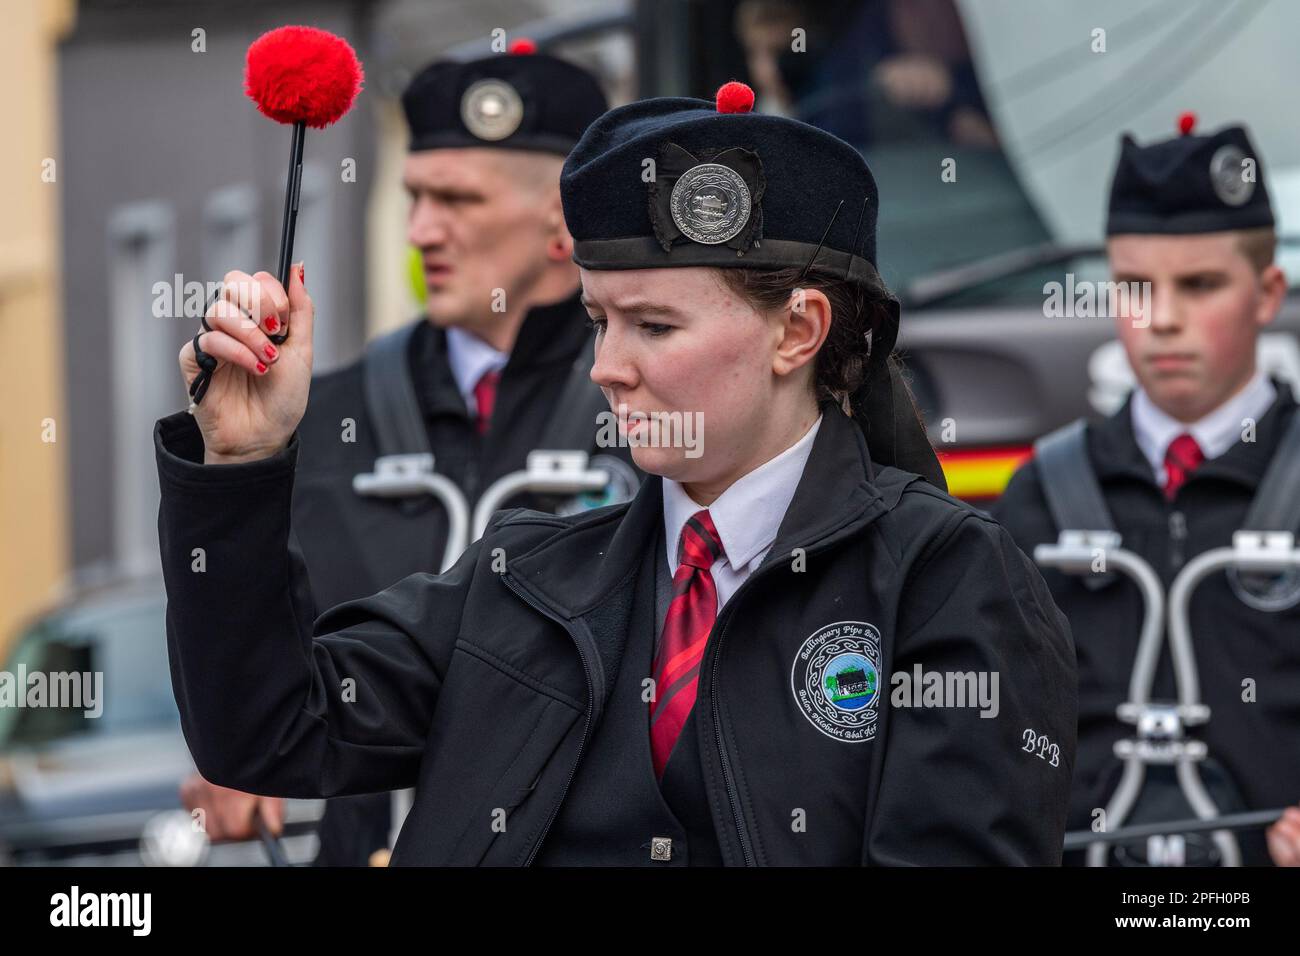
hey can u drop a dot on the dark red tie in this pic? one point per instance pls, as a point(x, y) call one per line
point(691, 614)
point(485, 396)
point(1181, 459)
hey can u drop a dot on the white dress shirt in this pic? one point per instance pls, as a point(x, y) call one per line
point(1215, 433)
point(470, 359)
point(747, 515)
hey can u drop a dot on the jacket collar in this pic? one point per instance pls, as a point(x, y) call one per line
point(748, 514)
point(836, 496)
point(549, 334)
point(1115, 451)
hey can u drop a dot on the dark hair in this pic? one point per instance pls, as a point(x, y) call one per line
point(858, 308)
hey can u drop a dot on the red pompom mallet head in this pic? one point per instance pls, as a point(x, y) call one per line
point(1186, 123)
point(735, 97)
point(522, 47)
point(302, 74)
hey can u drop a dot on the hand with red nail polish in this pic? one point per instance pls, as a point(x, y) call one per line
point(258, 392)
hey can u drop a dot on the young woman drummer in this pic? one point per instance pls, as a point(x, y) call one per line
point(780, 652)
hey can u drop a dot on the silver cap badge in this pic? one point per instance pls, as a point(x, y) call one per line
point(710, 203)
point(1227, 176)
point(491, 109)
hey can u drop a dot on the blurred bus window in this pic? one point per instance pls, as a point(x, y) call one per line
point(895, 78)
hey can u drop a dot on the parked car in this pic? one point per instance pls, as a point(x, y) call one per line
point(994, 375)
point(80, 788)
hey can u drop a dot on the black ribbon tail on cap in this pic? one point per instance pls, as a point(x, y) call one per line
point(887, 413)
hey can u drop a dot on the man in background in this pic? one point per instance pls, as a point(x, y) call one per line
point(1179, 467)
point(498, 367)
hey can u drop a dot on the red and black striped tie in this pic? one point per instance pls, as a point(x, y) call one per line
point(691, 613)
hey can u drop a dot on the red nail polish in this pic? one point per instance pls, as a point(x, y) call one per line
point(302, 273)
point(272, 323)
point(269, 351)
point(261, 366)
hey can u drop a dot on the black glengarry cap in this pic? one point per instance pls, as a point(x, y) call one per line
point(677, 182)
point(518, 100)
point(684, 182)
point(1189, 184)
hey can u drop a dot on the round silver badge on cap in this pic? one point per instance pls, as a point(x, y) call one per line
point(491, 109)
point(710, 203)
point(1227, 176)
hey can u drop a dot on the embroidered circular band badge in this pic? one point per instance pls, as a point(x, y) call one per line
point(835, 680)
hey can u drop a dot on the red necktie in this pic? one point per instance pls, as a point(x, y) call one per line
point(691, 614)
point(1181, 459)
point(485, 396)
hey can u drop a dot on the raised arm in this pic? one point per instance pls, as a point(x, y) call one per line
point(272, 700)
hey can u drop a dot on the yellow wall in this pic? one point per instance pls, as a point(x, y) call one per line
point(33, 500)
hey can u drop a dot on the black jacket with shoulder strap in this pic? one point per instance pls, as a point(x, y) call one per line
point(1248, 658)
point(401, 397)
point(409, 402)
point(952, 741)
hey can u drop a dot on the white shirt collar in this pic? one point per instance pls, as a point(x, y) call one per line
point(470, 358)
point(1215, 433)
point(748, 514)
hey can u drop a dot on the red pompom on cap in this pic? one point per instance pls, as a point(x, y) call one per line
point(735, 97)
point(1186, 123)
point(302, 74)
point(522, 47)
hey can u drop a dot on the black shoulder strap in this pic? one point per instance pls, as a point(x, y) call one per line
point(390, 394)
point(1276, 506)
point(572, 425)
point(1071, 488)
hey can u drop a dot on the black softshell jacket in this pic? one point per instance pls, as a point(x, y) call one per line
point(1255, 737)
point(481, 686)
